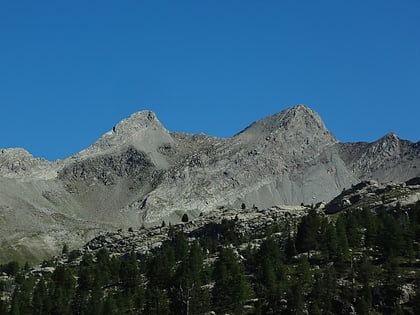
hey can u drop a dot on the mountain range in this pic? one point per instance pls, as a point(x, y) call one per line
point(141, 174)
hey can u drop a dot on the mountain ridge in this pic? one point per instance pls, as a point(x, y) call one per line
point(139, 173)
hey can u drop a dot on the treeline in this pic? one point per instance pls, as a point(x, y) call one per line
point(356, 262)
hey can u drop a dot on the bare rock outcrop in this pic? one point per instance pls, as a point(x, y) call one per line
point(387, 159)
point(376, 196)
point(17, 162)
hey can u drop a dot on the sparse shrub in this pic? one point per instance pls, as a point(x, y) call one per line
point(65, 249)
point(74, 254)
point(11, 268)
point(185, 218)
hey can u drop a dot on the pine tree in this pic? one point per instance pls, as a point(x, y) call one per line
point(231, 289)
point(295, 299)
point(110, 306)
point(271, 278)
point(3, 307)
point(391, 288)
point(180, 244)
point(15, 308)
point(95, 305)
point(304, 275)
point(290, 247)
point(157, 302)
point(65, 249)
point(160, 267)
point(62, 290)
point(369, 222)
point(354, 235)
point(391, 240)
point(40, 301)
point(342, 245)
point(187, 280)
point(307, 235)
point(129, 273)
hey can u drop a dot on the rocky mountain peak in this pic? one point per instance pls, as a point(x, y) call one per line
point(137, 121)
point(141, 131)
point(293, 119)
point(297, 129)
point(389, 138)
point(301, 116)
point(16, 162)
point(388, 145)
point(300, 108)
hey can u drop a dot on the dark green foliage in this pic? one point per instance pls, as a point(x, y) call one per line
point(215, 234)
point(161, 266)
point(324, 290)
point(110, 306)
point(391, 289)
point(369, 222)
point(391, 240)
point(290, 247)
point(343, 253)
point(11, 268)
point(129, 273)
point(271, 275)
point(231, 288)
point(21, 300)
point(329, 245)
point(295, 299)
point(157, 302)
point(188, 295)
point(61, 290)
point(184, 218)
point(308, 233)
point(353, 230)
point(74, 254)
point(3, 307)
point(41, 304)
point(180, 244)
point(65, 249)
point(356, 261)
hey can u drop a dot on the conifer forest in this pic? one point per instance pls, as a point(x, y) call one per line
point(351, 262)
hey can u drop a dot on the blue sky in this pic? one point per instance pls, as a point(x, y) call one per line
point(70, 70)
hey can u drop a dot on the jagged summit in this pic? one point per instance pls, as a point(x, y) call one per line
point(141, 131)
point(300, 116)
point(294, 129)
point(389, 137)
point(17, 162)
point(15, 152)
point(137, 121)
point(386, 146)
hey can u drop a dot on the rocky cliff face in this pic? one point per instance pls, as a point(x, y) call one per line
point(288, 158)
point(140, 173)
point(387, 159)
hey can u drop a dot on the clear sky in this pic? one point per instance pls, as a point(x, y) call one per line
point(70, 70)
